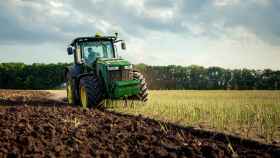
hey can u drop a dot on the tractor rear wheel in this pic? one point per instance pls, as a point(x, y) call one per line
point(143, 94)
point(91, 92)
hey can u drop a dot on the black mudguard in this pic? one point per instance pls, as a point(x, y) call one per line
point(74, 72)
point(76, 75)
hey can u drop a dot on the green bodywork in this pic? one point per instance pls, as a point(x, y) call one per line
point(116, 89)
point(125, 88)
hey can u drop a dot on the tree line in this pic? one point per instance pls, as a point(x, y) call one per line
point(51, 76)
point(35, 76)
point(212, 78)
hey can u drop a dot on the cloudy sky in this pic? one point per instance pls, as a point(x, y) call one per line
point(226, 33)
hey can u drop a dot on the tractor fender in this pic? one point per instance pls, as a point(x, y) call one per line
point(74, 72)
point(83, 75)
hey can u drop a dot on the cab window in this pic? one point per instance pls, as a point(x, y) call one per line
point(93, 50)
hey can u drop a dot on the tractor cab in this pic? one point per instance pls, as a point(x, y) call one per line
point(88, 49)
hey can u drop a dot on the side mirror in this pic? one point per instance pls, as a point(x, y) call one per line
point(123, 45)
point(70, 50)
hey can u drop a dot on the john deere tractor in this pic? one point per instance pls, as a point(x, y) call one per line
point(98, 74)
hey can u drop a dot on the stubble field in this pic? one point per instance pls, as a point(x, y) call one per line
point(250, 114)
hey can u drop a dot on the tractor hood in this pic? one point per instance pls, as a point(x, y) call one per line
point(113, 62)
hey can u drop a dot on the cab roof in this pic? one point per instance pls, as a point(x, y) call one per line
point(95, 38)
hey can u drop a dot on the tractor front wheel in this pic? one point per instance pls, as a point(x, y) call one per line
point(143, 94)
point(91, 92)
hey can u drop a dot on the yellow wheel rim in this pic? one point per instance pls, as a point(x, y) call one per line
point(83, 95)
point(69, 93)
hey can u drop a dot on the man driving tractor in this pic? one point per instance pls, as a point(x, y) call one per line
point(91, 56)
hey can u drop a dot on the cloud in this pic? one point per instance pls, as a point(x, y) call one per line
point(44, 21)
point(257, 16)
point(176, 23)
point(19, 22)
point(34, 22)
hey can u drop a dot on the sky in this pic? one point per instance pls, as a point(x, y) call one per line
point(226, 33)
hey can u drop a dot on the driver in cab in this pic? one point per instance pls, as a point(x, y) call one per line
point(92, 55)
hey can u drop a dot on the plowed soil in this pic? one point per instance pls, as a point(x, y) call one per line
point(48, 128)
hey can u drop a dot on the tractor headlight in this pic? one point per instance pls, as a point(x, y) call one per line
point(128, 67)
point(113, 68)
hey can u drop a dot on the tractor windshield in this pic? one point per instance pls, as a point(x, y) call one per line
point(96, 49)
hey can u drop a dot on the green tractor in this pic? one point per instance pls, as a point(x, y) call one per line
point(98, 74)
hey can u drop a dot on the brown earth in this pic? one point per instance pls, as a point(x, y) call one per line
point(40, 127)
